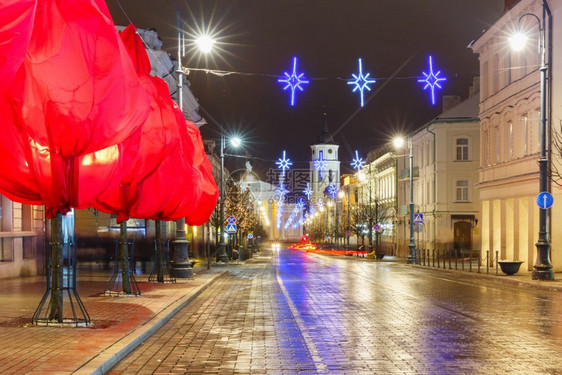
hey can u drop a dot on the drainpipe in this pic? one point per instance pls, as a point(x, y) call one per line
point(434, 190)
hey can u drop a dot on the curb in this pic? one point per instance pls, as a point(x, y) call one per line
point(543, 285)
point(112, 355)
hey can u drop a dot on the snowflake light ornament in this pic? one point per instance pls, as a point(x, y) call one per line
point(432, 80)
point(332, 190)
point(320, 165)
point(284, 162)
point(361, 82)
point(300, 204)
point(358, 162)
point(293, 81)
point(308, 191)
point(281, 190)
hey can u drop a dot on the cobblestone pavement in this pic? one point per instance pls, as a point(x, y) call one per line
point(298, 313)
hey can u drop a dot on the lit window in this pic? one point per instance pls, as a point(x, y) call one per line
point(462, 191)
point(462, 149)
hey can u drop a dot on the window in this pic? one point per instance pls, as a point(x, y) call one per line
point(510, 139)
point(507, 68)
point(495, 73)
point(462, 149)
point(485, 149)
point(462, 191)
point(525, 134)
point(497, 144)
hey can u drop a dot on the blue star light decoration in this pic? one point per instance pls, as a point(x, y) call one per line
point(308, 191)
point(332, 190)
point(361, 82)
point(284, 162)
point(432, 80)
point(320, 165)
point(358, 162)
point(293, 81)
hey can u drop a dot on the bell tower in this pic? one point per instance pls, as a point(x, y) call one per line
point(324, 163)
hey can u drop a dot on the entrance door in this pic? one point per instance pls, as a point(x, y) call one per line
point(462, 239)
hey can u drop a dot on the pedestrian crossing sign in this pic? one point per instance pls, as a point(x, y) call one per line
point(231, 228)
point(418, 218)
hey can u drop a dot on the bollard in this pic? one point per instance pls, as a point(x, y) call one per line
point(424, 257)
point(438, 261)
point(456, 259)
point(433, 258)
point(487, 262)
point(470, 260)
point(479, 260)
point(450, 256)
point(497, 263)
point(462, 261)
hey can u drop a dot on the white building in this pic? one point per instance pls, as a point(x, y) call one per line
point(446, 160)
point(510, 133)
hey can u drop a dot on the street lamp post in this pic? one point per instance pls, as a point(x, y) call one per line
point(399, 142)
point(542, 270)
point(235, 142)
point(223, 256)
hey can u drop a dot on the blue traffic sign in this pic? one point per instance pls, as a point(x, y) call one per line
point(231, 228)
point(418, 218)
point(250, 236)
point(545, 200)
point(231, 220)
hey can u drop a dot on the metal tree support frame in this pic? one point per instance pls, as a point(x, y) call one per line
point(61, 278)
point(161, 272)
point(123, 282)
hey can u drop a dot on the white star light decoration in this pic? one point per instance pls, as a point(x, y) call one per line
point(293, 81)
point(432, 80)
point(358, 162)
point(300, 204)
point(284, 163)
point(308, 191)
point(361, 82)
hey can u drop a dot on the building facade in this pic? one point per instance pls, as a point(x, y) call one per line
point(446, 160)
point(510, 112)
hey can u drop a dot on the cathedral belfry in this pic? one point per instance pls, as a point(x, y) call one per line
point(324, 163)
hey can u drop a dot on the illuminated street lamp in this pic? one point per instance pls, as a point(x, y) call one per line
point(399, 143)
point(542, 270)
point(234, 142)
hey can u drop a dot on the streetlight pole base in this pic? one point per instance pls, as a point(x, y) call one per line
point(542, 272)
point(223, 256)
point(181, 268)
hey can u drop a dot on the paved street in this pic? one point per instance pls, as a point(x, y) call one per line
point(297, 313)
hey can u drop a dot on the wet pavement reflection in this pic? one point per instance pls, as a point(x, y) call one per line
point(290, 312)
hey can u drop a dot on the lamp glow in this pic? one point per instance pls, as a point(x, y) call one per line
point(205, 43)
point(236, 142)
point(518, 41)
point(293, 81)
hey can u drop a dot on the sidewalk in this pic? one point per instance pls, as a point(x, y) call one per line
point(521, 278)
point(119, 324)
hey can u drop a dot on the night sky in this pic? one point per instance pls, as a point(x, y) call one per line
point(393, 37)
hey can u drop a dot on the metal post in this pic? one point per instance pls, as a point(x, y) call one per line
point(412, 245)
point(542, 270)
point(487, 262)
point(497, 263)
point(223, 256)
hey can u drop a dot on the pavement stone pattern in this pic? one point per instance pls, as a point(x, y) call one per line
point(297, 313)
point(25, 348)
